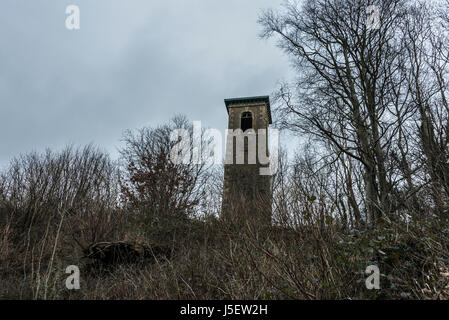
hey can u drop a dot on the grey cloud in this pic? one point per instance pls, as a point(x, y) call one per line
point(132, 63)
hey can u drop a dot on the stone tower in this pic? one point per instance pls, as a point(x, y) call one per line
point(246, 190)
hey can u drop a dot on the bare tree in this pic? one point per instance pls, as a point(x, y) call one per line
point(357, 93)
point(151, 181)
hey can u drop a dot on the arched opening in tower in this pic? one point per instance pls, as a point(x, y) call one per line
point(246, 121)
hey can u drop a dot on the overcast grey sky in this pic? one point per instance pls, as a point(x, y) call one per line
point(133, 63)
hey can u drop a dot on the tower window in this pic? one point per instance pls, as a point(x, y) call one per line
point(246, 121)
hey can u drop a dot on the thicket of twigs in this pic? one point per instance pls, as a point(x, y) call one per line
point(71, 209)
point(370, 185)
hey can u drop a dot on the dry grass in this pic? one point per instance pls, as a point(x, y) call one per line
point(218, 261)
